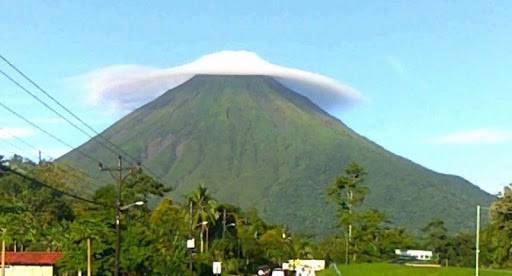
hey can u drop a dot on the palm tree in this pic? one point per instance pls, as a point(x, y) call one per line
point(203, 210)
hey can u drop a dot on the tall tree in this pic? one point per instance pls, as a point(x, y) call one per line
point(347, 192)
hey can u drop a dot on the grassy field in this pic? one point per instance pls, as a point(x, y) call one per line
point(401, 270)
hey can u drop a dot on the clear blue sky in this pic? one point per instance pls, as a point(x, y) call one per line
point(436, 73)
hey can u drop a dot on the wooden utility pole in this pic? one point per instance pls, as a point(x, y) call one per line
point(120, 179)
point(3, 254)
point(201, 239)
point(89, 258)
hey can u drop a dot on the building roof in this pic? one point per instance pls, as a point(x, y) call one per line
point(32, 258)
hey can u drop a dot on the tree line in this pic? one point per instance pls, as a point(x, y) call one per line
point(154, 236)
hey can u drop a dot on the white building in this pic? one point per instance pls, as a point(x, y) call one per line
point(420, 255)
point(30, 263)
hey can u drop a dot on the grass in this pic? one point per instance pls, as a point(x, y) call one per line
point(380, 269)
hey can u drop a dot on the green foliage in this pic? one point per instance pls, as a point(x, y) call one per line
point(436, 238)
point(347, 192)
point(153, 237)
point(276, 248)
point(496, 238)
point(256, 143)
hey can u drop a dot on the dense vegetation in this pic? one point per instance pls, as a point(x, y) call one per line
point(35, 217)
point(256, 143)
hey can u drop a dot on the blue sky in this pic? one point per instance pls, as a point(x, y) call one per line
point(434, 73)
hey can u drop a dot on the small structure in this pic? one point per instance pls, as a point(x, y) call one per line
point(31, 263)
point(413, 255)
point(304, 267)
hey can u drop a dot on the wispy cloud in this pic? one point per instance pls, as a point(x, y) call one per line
point(10, 133)
point(126, 87)
point(476, 136)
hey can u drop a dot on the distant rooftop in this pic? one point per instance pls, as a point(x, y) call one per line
point(32, 258)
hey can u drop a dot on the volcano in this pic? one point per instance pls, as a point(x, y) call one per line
point(254, 142)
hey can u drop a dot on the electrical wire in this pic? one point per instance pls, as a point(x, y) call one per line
point(6, 142)
point(119, 149)
point(47, 132)
point(26, 143)
point(4, 168)
point(7, 76)
point(22, 141)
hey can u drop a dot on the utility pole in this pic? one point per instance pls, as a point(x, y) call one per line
point(477, 251)
point(89, 258)
point(120, 179)
point(223, 223)
point(3, 254)
point(192, 236)
point(201, 241)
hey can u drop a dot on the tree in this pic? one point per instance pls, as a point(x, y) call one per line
point(436, 238)
point(277, 247)
point(250, 228)
point(395, 238)
point(204, 212)
point(368, 235)
point(34, 213)
point(496, 239)
point(462, 250)
point(97, 223)
point(348, 192)
point(169, 230)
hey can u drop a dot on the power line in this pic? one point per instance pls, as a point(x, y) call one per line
point(77, 197)
point(55, 111)
point(8, 151)
point(19, 139)
point(51, 108)
point(74, 116)
point(22, 141)
point(52, 136)
point(14, 146)
point(14, 153)
point(47, 132)
point(26, 143)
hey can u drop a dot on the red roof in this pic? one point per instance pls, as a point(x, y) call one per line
point(32, 258)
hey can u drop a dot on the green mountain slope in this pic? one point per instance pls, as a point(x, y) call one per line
point(254, 142)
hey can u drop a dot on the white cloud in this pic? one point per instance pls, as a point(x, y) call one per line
point(476, 136)
point(126, 87)
point(9, 133)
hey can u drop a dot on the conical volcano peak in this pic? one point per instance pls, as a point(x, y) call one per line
point(255, 142)
point(259, 86)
